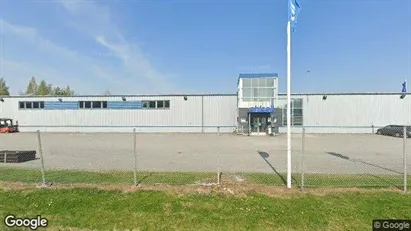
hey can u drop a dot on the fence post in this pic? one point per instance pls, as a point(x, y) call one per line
point(372, 126)
point(135, 156)
point(43, 175)
point(218, 157)
point(302, 159)
point(404, 153)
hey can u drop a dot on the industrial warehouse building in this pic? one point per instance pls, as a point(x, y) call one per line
point(255, 106)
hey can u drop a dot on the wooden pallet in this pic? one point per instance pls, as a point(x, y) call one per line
point(8, 156)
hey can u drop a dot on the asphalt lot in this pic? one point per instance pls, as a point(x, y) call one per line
point(324, 153)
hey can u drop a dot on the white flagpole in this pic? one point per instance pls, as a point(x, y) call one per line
point(289, 104)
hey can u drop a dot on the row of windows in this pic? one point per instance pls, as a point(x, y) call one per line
point(31, 105)
point(156, 104)
point(258, 82)
point(92, 104)
point(258, 92)
point(153, 104)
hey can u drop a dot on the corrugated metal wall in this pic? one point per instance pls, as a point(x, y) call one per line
point(204, 113)
point(182, 116)
point(356, 110)
point(350, 113)
point(355, 113)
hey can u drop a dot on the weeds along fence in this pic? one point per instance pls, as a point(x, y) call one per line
point(319, 158)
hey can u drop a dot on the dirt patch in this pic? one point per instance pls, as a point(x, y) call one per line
point(229, 189)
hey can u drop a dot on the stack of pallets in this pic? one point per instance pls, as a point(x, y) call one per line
point(8, 156)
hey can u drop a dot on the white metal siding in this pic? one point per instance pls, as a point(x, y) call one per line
point(338, 113)
point(356, 110)
point(220, 111)
point(182, 116)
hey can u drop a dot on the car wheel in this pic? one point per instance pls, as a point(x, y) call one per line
point(379, 132)
point(397, 134)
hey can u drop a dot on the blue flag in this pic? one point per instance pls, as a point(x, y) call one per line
point(404, 87)
point(293, 11)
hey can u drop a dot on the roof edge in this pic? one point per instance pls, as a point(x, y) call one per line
point(117, 95)
point(208, 94)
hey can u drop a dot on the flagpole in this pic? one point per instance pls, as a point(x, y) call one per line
point(289, 104)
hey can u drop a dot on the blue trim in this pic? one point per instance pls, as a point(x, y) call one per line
point(125, 105)
point(61, 105)
point(259, 75)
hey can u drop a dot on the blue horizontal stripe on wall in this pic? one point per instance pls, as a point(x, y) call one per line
point(125, 105)
point(61, 105)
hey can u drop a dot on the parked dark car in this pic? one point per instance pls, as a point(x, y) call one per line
point(394, 130)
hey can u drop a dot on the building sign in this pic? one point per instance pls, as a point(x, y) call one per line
point(261, 109)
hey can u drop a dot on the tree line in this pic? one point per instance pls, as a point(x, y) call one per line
point(41, 89)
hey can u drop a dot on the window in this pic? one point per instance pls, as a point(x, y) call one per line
point(160, 104)
point(22, 105)
point(271, 92)
point(247, 92)
point(261, 82)
point(254, 82)
point(41, 104)
point(255, 94)
point(270, 82)
point(29, 105)
point(104, 104)
point(97, 104)
point(298, 103)
point(87, 104)
point(167, 104)
point(152, 104)
point(145, 104)
point(297, 113)
point(247, 83)
point(36, 105)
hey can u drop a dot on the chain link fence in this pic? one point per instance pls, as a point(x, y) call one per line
point(319, 159)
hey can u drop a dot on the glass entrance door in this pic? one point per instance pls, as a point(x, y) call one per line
point(259, 123)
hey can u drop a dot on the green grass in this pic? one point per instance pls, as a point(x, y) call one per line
point(331, 180)
point(181, 178)
point(107, 177)
point(155, 210)
point(161, 210)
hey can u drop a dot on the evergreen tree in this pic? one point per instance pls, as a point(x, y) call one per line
point(68, 91)
point(4, 89)
point(50, 89)
point(32, 87)
point(57, 91)
point(43, 88)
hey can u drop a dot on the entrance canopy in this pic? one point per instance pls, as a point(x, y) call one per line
point(261, 109)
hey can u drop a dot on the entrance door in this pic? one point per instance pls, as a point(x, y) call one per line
point(259, 123)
